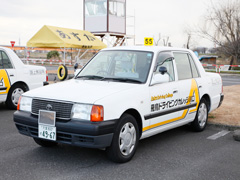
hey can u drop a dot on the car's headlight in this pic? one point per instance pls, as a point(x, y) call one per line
point(81, 111)
point(25, 104)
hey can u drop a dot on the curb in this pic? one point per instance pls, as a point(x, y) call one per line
point(235, 129)
point(236, 135)
point(225, 126)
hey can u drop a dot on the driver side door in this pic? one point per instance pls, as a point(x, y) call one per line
point(164, 95)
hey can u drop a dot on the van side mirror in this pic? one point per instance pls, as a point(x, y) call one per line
point(162, 70)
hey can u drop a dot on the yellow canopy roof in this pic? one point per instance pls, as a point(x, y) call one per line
point(55, 37)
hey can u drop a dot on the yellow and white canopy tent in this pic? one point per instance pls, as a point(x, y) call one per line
point(57, 37)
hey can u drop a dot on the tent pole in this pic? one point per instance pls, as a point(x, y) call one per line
point(64, 56)
point(77, 58)
point(108, 40)
point(83, 54)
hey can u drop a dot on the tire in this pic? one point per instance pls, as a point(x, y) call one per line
point(45, 143)
point(125, 140)
point(201, 118)
point(62, 72)
point(13, 95)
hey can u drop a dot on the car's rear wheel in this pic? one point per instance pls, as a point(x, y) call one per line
point(13, 95)
point(45, 143)
point(125, 140)
point(201, 118)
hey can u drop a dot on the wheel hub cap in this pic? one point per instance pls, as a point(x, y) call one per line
point(127, 138)
point(202, 115)
point(16, 94)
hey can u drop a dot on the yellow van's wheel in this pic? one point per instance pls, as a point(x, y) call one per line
point(62, 72)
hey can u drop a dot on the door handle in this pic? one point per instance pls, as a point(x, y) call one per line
point(175, 91)
point(11, 75)
point(199, 86)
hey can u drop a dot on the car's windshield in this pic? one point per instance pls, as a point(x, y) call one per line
point(125, 66)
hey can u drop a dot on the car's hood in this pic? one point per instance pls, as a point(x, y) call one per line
point(82, 91)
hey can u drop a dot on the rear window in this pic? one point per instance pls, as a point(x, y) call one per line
point(183, 66)
point(5, 62)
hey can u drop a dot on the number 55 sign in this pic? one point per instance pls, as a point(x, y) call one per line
point(148, 41)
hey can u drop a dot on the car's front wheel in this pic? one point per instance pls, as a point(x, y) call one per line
point(125, 140)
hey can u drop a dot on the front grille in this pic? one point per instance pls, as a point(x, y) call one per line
point(27, 130)
point(63, 110)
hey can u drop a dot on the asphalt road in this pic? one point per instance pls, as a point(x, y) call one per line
point(179, 154)
point(230, 79)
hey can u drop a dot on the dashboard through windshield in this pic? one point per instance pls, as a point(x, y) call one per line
point(119, 65)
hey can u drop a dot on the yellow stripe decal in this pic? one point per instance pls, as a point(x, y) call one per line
point(194, 89)
point(4, 81)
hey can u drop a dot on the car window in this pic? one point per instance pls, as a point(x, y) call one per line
point(101, 66)
point(1, 61)
point(193, 66)
point(168, 63)
point(183, 66)
point(6, 63)
point(119, 64)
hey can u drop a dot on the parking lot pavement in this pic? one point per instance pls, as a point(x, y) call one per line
point(177, 154)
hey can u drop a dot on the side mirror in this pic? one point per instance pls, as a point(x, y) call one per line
point(162, 70)
point(75, 66)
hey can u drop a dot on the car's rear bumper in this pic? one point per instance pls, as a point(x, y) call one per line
point(73, 132)
point(45, 83)
point(221, 100)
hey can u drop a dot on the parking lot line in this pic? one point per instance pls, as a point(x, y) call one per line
point(218, 135)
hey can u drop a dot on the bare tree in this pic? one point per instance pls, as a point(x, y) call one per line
point(188, 41)
point(158, 40)
point(222, 26)
point(188, 32)
point(165, 41)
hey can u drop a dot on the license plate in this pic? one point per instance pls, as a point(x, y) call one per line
point(46, 125)
point(47, 132)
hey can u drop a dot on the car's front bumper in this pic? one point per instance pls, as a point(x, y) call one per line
point(73, 132)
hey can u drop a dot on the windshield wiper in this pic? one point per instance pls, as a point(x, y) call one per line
point(101, 78)
point(122, 79)
point(90, 77)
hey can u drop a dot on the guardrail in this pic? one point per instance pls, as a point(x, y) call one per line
point(220, 68)
point(217, 68)
point(47, 61)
